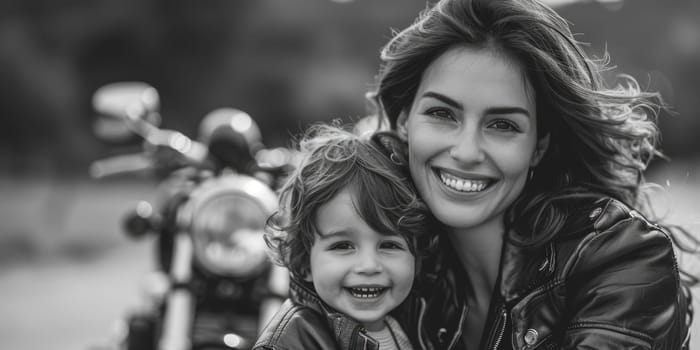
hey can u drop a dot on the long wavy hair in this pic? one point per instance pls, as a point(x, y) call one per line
point(375, 171)
point(601, 139)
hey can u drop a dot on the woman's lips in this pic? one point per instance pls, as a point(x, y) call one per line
point(462, 184)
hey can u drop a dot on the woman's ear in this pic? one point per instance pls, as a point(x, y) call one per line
point(401, 124)
point(540, 150)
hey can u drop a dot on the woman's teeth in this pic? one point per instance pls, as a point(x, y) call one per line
point(366, 293)
point(463, 185)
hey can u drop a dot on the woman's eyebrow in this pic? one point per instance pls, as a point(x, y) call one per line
point(491, 110)
point(508, 110)
point(443, 99)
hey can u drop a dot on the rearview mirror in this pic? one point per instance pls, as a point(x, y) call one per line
point(122, 108)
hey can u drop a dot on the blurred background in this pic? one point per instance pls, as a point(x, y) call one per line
point(67, 272)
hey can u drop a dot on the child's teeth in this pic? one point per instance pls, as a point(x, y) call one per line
point(365, 292)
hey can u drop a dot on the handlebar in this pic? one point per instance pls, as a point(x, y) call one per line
point(122, 164)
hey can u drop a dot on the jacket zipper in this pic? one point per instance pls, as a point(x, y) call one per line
point(502, 321)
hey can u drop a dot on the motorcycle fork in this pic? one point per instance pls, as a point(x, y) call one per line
point(177, 321)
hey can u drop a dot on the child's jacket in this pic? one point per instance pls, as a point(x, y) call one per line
point(305, 322)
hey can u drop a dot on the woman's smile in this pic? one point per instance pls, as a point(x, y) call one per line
point(463, 184)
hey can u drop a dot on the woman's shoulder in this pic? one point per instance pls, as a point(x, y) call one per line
point(617, 234)
point(628, 264)
point(607, 216)
point(609, 212)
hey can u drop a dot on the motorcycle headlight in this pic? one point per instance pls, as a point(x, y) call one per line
point(227, 220)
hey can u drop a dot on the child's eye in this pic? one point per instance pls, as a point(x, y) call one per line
point(504, 125)
point(392, 245)
point(341, 246)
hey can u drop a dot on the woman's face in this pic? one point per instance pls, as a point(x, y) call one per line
point(472, 136)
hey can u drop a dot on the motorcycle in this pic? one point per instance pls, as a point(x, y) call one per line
point(214, 287)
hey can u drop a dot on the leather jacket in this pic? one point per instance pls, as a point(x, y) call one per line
point(609, 280)
point(306, 322)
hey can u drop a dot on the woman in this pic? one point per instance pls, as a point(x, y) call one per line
point(535, 170)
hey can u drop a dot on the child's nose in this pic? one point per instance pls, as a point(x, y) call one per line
point(368, 264)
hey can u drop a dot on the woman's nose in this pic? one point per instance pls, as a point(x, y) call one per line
point(466, 147)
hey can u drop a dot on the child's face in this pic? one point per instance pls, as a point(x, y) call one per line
point(357, 271)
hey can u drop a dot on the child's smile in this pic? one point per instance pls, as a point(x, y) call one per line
point(366, 292)
point(357, 271)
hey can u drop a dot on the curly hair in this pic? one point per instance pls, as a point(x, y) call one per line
point(333, 159)
point(601, 139)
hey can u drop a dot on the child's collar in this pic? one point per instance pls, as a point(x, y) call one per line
point(344, 327)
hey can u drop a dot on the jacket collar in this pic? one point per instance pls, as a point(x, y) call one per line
point(524, 268)
point(349, 334)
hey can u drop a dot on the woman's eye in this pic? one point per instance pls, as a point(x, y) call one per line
point(504, 125)
point(438, 112)
point(340, 246)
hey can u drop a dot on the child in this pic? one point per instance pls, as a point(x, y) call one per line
point(347, 229)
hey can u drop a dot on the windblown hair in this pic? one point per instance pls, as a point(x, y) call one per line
point(375, 172)
point(601, 139)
